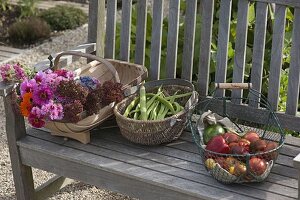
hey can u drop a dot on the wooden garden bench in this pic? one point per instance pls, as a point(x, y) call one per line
point(170, 171)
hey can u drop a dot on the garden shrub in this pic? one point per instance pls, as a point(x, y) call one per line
point(28, 31)
point(63, 17)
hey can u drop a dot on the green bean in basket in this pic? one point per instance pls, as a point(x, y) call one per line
point(151, 106)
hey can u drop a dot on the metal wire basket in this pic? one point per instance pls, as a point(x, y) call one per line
point(254, 157)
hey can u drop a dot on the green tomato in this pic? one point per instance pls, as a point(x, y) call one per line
point(211, 131)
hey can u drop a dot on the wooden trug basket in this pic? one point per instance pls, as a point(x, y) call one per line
point(128, 74)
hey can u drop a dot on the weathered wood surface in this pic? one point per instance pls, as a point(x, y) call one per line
point(156, 39)
point(189, 39)
point(207, 11)
point(100, 38)
point(240, 48)
point(172, 43)
point(141, 32)
point(15, 130)
point(292, 3)
point(223, 37)
point(171, 171)
point(92, 32)
point(125, 30)
point(258, 50)
point(110, 40)
point(294, 72)
point(276, 56)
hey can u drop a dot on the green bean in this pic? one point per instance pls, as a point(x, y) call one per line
point(131, 106)
point(161, 111)
point(150, 102)
point(151, 108)
point(143, 103)
point(179, 96)
point(154, 111)
point(178, 107)
point(168, 104)
point(136, 115)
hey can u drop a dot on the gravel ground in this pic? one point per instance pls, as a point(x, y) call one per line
point(65, 41)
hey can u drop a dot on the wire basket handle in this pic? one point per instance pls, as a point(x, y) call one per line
point(107, 64)
point(233, 85)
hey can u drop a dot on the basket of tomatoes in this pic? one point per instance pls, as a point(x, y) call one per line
point(233, 149)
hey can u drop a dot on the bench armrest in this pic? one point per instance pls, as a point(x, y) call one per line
point(6, 88)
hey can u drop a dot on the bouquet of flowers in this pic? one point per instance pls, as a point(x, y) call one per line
point(59, 95)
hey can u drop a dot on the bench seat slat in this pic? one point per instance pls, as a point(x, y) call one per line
point(113, 174)
point(102, 148)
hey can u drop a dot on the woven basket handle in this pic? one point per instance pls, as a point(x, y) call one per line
point(107, 64)
point(233, 85)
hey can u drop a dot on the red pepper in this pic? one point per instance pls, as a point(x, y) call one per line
point(218, 144)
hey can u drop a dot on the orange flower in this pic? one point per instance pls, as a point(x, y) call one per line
point(27, 97)
point(25, 108)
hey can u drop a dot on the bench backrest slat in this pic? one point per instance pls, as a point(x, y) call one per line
point(172, 42)
point(125, 30)
point(110, 29)
point(223, 38)
point(189, 38)
point(207, 11)
point(156, 39)
point(217, 58)
point(141, 32)
point(276, 55)
point(291, 3)
point(240, 47)
point(258, 50)
point(294, 71)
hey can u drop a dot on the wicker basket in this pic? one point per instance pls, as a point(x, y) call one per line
point(103, 69)
point(156, 132)
point(236, 167)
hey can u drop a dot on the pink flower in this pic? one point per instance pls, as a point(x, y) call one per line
point(6, 72)
point(19, 71)
point(28, 86)
point(42, 95)
point(37, 112)
point(53, 111)
point(36, 121)
point(39, 77)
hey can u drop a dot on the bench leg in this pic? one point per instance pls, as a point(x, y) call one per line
point(15, 129)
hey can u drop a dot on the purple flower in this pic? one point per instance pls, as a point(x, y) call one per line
point(36, 121)
point(28, 86)
point(37, 112)
point(6, 72)
point(19, 71)
point(53, 111)
point(42, 95)
point(90, 82)
point(39, 77)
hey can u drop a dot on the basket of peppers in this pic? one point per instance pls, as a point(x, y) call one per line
point(235, 150)
point(157, 112)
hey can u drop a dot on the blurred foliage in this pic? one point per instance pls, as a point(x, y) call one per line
point(4, 5)
point(64, 17)
point(28, 31)
point(28, 8)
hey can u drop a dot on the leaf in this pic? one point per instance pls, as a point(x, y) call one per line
point(251, 14)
